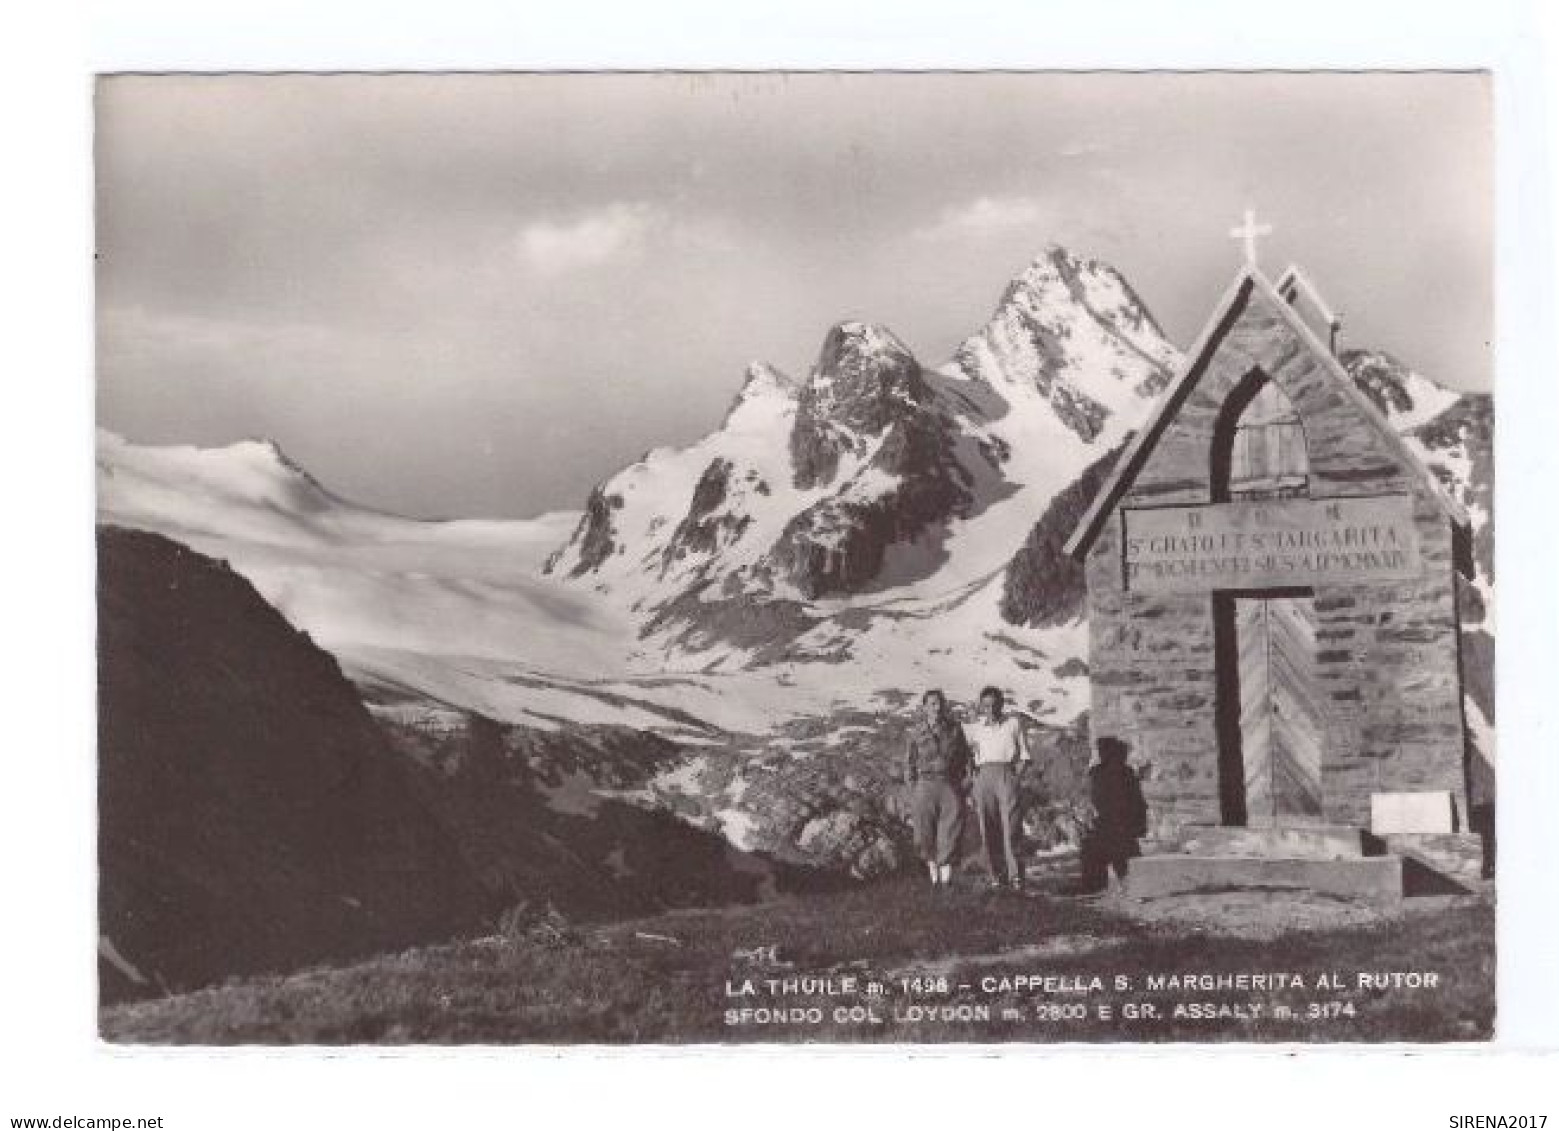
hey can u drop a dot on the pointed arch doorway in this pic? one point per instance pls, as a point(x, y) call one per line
point(1271, 723)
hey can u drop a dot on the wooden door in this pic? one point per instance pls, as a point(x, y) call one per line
point(1280, 720)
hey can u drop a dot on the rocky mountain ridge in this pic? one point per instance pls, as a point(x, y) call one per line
point(874, 475)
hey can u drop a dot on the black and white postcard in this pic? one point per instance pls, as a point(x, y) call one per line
point(793, 557)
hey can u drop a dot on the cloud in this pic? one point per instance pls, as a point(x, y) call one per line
point(587, 240)
point(986, 216)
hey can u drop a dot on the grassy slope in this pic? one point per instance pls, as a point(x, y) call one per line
point(664, 979)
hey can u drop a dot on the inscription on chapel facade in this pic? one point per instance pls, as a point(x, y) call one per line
point(1270, 543)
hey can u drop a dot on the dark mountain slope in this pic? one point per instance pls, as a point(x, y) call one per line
point(1043, 584)
point(251, 817)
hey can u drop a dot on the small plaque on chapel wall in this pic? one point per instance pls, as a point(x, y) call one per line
point(1267, 543)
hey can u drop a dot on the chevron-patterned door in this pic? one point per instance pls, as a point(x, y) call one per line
point(1280, 712)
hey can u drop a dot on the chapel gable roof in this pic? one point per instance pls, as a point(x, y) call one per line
point(1248, 283)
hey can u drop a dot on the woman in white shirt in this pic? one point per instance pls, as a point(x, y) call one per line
point(999, 747)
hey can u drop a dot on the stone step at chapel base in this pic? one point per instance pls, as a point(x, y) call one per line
point(1296, 842)
point(1372, 878)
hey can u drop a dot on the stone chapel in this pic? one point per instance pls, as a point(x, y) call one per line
point(1273, 627)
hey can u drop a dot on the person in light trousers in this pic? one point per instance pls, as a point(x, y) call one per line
point(997, 742)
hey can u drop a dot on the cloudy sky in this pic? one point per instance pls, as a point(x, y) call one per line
point(478, 295)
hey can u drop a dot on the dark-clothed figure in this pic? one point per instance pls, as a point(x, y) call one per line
point(936, 766)
point(1120, 817)
point(999, 748)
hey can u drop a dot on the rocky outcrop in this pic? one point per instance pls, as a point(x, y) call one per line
point(1458, 444)
point(595, 538)
point(911, 483)
point(766, 629)
point(250, 815)
point(702, 530)
point(864, 382)
point(827, 793)
point(1382, 378)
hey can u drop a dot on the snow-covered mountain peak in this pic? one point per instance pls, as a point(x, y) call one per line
point(1056, 265)
point(1058, 278)
point(766, 392)
point(1072, 332)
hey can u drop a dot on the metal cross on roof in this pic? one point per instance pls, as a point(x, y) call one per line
point(1250, 231)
